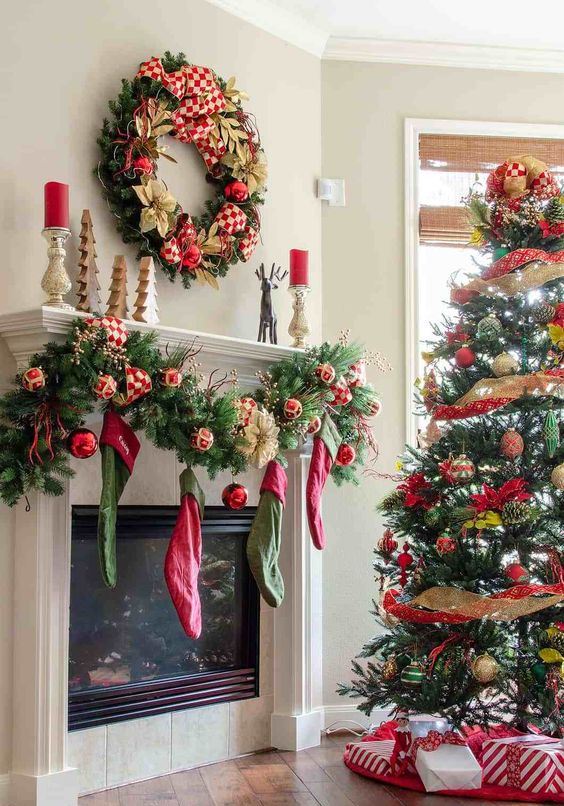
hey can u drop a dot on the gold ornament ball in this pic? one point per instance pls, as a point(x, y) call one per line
point(485, 668)
point(504, 364)
point(389, 670)
point(557, 477)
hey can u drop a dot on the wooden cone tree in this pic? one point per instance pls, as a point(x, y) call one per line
point(117, 302)
point(88, 287)
point(146, 309)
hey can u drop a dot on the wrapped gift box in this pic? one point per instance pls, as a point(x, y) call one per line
point(450, 766)
point(531, 763)
point(374, 757)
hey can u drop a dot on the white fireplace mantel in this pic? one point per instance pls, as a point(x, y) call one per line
point(40, 773)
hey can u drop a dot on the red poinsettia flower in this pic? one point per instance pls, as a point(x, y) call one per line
point(445, 469)
point(418, 491)
point(559, 315)
point(551, 229)
point(513, 490)
point(457, 335)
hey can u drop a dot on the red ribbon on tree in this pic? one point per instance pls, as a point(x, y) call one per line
point(42, 421)
point(517, 258)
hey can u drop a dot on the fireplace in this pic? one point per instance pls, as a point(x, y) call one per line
point(128, 655)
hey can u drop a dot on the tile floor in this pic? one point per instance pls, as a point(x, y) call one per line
point(316, 777)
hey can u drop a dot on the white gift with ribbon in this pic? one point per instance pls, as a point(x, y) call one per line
point(444, 761)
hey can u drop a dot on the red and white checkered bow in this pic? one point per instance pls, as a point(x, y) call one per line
point(174, 249)
point(248, 243)
point(138, 383)
point(116, 331)
point(231, 218)
point(200, 97)
point(433, 740)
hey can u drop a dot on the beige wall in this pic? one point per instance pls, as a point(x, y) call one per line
point(61, 63)
point(363, 110)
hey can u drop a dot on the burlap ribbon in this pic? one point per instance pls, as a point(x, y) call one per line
point(456, 606)
point(200, 97)
point(492, 393)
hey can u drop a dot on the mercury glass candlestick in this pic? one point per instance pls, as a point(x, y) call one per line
point(299, 328)
point(56, 282)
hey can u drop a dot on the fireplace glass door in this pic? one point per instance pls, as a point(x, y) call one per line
point(128, 654)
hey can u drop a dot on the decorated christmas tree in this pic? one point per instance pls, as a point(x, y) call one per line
point(469, 568)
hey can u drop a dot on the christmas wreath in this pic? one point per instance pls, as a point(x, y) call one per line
point(169, 96)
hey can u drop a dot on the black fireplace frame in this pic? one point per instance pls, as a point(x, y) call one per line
point(148, 698)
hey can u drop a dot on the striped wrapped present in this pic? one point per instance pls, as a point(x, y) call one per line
point(374, 757)
point(532, 763)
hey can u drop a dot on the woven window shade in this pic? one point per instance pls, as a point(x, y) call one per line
point(472, 154)
point(448, 153)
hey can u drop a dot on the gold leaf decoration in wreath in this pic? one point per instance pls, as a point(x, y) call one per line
point(193, 104)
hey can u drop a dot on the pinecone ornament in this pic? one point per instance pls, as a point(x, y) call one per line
point(554, 212)
point(515, 513)
point(393, 500)
point(542, 312)
point(555, 639)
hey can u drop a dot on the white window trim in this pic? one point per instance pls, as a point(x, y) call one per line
point(413, 128)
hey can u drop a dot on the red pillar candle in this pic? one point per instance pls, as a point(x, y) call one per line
point(299, 267)
point(56, 205)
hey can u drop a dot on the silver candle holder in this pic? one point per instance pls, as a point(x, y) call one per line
point(56, 282)
point(299, 328)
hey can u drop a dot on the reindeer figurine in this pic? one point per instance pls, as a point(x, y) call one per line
point(267, 315)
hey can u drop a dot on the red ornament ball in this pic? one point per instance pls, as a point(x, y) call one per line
point(511, 444)
point(345, 455)
point(325, 373)
point(106, 387)
point(516, 573)
point(33, 379)
point(82, 443)
point(314, 425)
point(236, 191)
point(375, 408)
point(192, 257)
point(246, 406)
point(235, 496)
point(445, 544)
point(387, 544)
point(143, 165)
point(465, 357)
point(171, 377)
point(292, 409)
point(202, 440)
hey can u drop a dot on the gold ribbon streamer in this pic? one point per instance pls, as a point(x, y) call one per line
point(475, 606)
point(514, 386)
point(533, 276)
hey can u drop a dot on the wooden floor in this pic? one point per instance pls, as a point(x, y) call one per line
point(316, 777)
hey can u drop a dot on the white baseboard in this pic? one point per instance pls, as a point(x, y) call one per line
point(332, 714)
point(5, 790)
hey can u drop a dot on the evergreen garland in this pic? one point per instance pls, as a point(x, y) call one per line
point(168, 416)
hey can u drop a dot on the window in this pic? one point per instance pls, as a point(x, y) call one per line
point(444, 160)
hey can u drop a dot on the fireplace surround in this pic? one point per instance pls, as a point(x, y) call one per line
point(41, 772)
point(128, 654)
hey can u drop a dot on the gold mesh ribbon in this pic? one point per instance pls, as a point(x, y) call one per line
point(532, 276)
point(514, 386)
point(475, 606)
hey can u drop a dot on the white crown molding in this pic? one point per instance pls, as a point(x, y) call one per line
point(280, 22)
point(442, 54)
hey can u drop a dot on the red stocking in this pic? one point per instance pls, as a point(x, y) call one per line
point(325, 445)
point(184, 555)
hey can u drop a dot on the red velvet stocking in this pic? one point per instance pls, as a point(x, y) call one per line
point(325, 445)
point(184, 555)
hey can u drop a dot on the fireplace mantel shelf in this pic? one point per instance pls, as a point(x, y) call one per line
point(26, 332)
